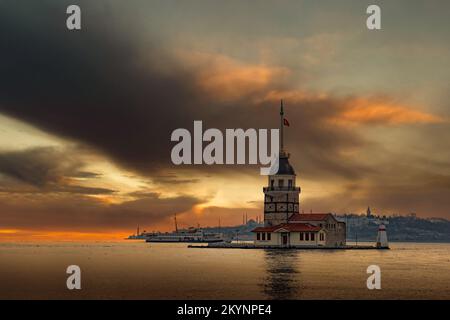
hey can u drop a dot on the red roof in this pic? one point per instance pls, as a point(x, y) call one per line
point(309, 217)
point(291, 227)
point(265, 229)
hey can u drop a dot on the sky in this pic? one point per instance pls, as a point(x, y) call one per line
point(86, 116)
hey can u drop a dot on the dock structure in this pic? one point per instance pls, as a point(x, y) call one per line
point(254, 246)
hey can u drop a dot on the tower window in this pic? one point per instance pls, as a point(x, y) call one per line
point(307, 236)
point(268, 236)
point(290, 183)
point(264, 236)
point(313, 236)
point(271, 183)
point(281, 183)
point(301, 236)
point(258, 236)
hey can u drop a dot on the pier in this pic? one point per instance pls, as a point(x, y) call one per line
point(254, 246)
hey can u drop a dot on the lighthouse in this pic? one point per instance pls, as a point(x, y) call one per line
point(382, 241)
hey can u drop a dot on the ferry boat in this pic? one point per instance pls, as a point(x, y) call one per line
point(190, 235)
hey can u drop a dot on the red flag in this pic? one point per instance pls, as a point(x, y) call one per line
point(286, 122)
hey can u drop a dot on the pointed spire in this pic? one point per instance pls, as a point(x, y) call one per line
point(281, 128)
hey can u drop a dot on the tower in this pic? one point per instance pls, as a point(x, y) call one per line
point(281, 196)
point(368, 213)
point(382, 241)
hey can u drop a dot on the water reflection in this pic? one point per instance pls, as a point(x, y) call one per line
point(282, 277)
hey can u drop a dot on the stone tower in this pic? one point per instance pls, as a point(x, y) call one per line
point(281, 196)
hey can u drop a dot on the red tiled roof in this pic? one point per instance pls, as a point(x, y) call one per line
point(265, 229)
point(309, 217)
point(291, 227)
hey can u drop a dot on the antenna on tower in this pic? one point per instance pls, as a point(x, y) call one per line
point(175, 220)
point(281, 127)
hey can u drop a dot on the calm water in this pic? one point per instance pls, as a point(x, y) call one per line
point(137, 270)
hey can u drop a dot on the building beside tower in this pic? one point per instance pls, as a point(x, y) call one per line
point(284, 226)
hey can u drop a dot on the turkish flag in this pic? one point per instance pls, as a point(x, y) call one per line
point(286, 122)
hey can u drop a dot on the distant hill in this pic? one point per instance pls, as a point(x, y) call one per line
point(399, 228)
point(359, 227)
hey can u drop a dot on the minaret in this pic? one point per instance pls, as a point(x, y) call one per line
point(281, 196)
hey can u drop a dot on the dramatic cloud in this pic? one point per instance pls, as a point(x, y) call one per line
point(363, 111)
point(45, 169)
point(125, 97)
point(82, 213)
point(121, 90)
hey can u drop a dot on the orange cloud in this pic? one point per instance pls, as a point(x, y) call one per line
point(229, 79)
point(294, 96)
point(353, 111)
point(366, 111)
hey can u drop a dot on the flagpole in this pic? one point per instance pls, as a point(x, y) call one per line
point(281, 128)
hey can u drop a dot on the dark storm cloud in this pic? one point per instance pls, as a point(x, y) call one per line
point(119, 90)
point(91, 85)
point(46, 169)
point(76, 212)
point(124, 95)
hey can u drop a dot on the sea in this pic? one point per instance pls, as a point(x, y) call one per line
point(138, 270)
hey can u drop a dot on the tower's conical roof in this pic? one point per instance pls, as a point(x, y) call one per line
point(285, 167)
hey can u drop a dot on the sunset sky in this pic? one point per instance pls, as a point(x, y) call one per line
point(86, 116)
